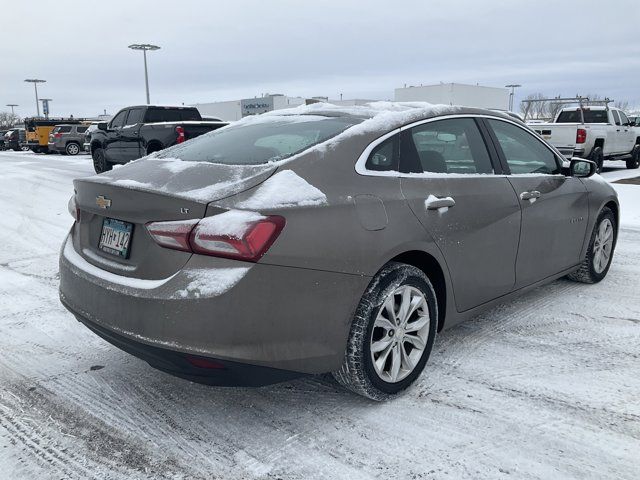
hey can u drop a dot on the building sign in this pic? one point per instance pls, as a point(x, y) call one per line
point(256, 106)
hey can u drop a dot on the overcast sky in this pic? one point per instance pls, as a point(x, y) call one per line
point(215, 50)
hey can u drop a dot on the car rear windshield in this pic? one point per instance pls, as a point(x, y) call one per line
point(171, 115)
point(263, 140)
point(590, 116)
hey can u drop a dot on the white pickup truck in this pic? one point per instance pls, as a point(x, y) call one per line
point(595, 132)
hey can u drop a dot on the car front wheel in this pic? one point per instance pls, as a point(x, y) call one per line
point(100, 163)
point(634, 161)
point(392, 333)
point(600, 252)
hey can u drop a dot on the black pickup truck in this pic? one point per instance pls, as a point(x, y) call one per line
point(140, 130)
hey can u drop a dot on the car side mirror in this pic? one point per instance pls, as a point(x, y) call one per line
point(103, 126)
point(582, 168)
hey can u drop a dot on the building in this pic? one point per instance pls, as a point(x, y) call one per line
point(456, 94)
point(236, 109)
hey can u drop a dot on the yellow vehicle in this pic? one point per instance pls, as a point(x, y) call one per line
point(38, 130)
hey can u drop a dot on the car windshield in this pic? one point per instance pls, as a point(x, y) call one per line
point(590, 116)
point(263, 140)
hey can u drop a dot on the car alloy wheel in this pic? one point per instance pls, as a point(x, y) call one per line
point(73, 149)
point(603, 246)
point(399, 335)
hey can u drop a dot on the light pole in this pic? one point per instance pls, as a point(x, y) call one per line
point(45, 106)
point(35, 82)
point(144, 47)
point(513, 89)
point(12, 105)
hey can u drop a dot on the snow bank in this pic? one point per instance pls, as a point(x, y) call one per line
point(211, 281)
point(629, 197)
point(284, 189)
point(233, 223)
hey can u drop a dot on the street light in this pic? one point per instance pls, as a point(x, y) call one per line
point(12, 105)
point(45, 106)
point(35, 82)
point(144, 47)
point(513, 89)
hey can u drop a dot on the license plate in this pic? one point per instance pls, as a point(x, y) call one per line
point(115, 237)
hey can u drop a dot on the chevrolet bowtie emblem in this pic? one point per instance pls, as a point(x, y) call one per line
point(103, 202)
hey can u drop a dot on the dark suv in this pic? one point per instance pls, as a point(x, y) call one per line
point(15, 140)
point(67, 139)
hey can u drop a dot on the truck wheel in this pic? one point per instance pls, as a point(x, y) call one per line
point(100, 163)
point(600, 252)
point(598, 157)
point(392, 333)
point(634, 161)
point(72, 148)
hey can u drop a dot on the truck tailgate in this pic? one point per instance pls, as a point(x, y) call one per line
point(560, 135)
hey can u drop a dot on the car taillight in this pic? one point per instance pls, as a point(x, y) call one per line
point(57, 135)
point(74, 211)
point(173, 235)
point(581, 135)
point(191, 236)
point(180, 132)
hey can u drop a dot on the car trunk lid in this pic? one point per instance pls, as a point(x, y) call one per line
point(151, 190)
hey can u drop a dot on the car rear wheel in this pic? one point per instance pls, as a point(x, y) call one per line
point(100, 163)
point(392, 333)
point(72, 148)
point(634, 161)
point(597, 156)
point(600, 252)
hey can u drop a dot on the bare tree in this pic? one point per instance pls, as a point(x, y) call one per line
point(8, 119)
point(536, 109)
point(622, 105)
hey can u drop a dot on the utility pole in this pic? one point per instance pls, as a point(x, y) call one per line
point(144, 47)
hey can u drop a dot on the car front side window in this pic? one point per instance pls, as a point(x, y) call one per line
point(523, 152)
point(118, 120)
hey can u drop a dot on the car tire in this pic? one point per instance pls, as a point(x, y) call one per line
point(72, 148)
point(100, 162)
point(600, 252)
point(24, 148)
point(597, 156)
point(372, 374)
point(634, 161)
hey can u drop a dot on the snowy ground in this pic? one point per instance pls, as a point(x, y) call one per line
point(543, 387)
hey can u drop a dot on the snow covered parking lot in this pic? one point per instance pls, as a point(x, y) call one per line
point(543, 387)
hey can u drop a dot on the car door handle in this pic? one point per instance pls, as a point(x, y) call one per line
point(435, 203)
point(530, 195)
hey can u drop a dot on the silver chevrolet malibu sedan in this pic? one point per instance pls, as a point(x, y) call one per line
point(324, 239)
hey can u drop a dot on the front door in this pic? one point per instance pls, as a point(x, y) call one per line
point(471, 213)
point(130, 136)
point(113, 143)
point(554, 207)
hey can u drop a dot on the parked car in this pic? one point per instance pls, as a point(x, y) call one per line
point(67, 139)
point(326, 240)
point(15, 140)
point(140, 130)
point(87, 137)
point(597, 132)
point(38, 130)
point(2, 144)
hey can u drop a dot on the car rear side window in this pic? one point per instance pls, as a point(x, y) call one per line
point(384, 157)
point(170, 115)
point(450, 146)
point(263, 140)
point(64, 129)
point(524, 152)
point(590, 116)
point(81, 129)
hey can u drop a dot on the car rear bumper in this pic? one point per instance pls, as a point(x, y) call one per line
point(570, 152)
point(282, 318)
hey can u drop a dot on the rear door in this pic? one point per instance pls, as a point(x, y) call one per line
point(465, 204)
point(554, 207)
